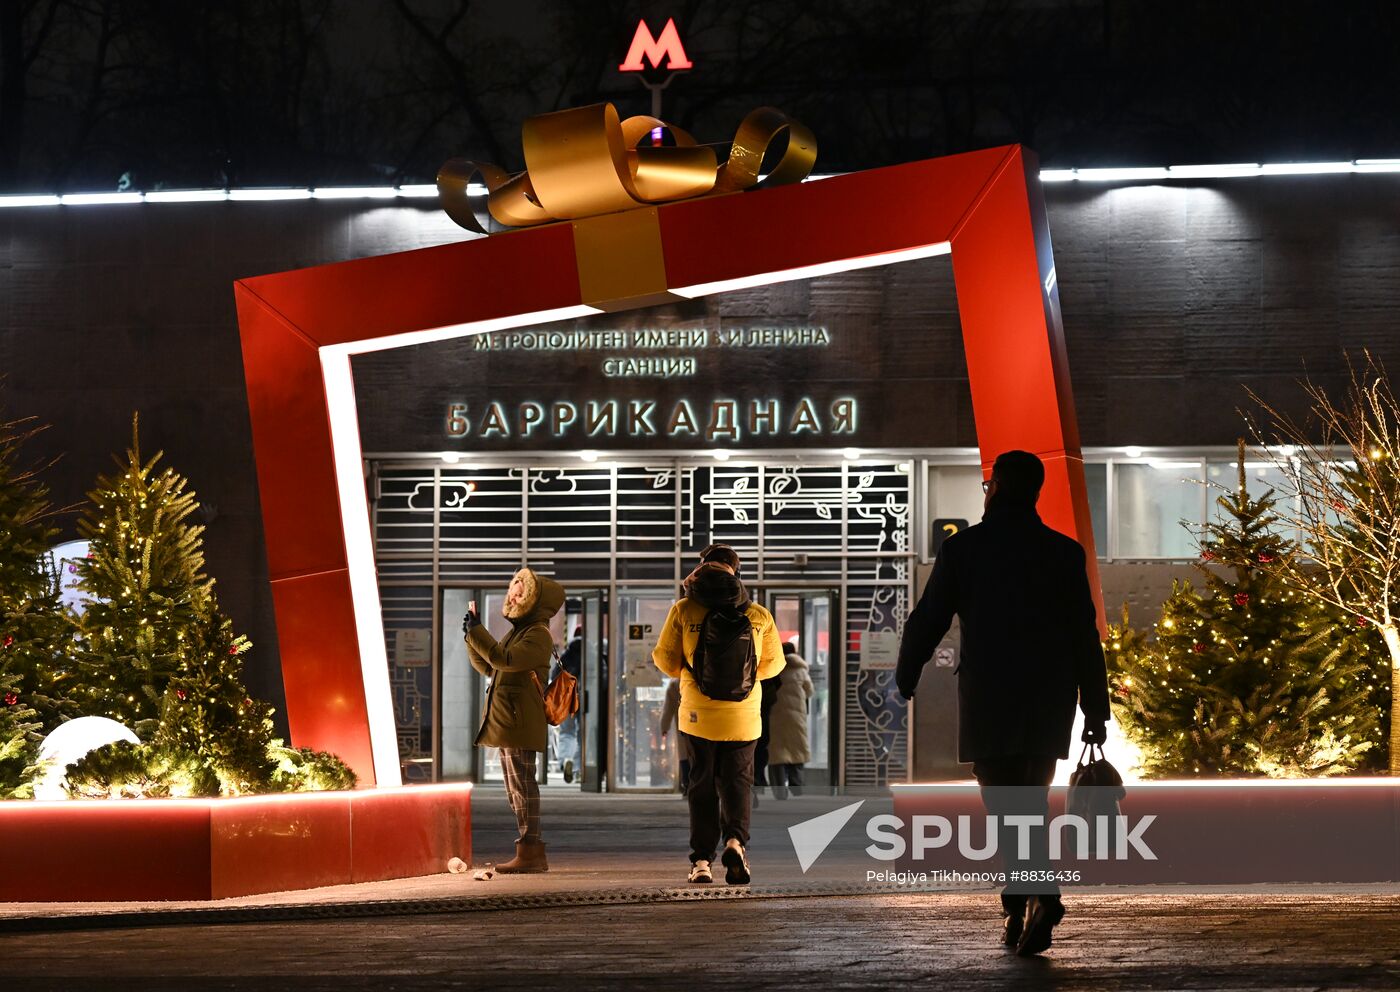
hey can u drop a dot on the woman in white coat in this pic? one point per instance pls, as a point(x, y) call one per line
point(788, 749)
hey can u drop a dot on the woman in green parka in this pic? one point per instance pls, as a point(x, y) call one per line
point(518, 669)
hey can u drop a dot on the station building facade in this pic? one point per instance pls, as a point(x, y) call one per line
point(822, 427)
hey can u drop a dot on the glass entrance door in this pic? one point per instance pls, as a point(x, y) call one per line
point(640, 762)
point(581, 738)
point(464, 688)
point(805, 617)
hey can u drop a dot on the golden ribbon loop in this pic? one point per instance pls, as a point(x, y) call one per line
point(756, 132)
point(586, 161)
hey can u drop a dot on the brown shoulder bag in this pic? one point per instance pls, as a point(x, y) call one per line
point(561, 698)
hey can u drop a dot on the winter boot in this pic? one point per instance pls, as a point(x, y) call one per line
point(1043, 914)
point(529, 859)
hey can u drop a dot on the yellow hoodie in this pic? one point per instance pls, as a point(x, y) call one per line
point(701, 716)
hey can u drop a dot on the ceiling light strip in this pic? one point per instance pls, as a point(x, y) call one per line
point(429, 191)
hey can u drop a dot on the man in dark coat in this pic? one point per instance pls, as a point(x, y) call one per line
point(1030, 649)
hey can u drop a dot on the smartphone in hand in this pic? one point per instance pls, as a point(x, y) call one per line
point(472, 606)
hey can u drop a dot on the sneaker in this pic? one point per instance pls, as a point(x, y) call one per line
point(569, 771)
point(700, 873)
point(736, 864)
point(1042, 916)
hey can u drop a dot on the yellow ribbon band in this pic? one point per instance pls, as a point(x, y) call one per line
point(586, 161)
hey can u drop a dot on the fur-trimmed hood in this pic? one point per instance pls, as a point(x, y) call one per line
point(713, 585)
point(543, 598)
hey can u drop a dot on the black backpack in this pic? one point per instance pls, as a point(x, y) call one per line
point(725, 665)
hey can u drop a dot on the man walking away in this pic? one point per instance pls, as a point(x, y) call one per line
point(1030, 648)
point(720, 645)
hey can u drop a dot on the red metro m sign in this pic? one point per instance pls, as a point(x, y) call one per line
point(668, 46)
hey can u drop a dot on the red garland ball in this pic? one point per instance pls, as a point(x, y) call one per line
point(1361, 621)
point(180, 694)
point(9, 640)
point(1265, 559)
point(1241, 599)
point(1338, 505)
point(1198, 647)
point(11, 698)
point(1208, 555)
point(233, 649)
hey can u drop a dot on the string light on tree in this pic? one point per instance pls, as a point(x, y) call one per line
point(164, 660)
point(35, 628)
point(1240, 680)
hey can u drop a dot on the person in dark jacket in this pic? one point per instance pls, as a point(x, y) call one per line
point(1030, 650)
point(567, 751)
point(518, 667)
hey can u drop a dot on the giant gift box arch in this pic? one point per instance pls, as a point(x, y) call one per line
point(644, 247)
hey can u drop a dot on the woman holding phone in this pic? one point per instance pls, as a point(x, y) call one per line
point(518, 667)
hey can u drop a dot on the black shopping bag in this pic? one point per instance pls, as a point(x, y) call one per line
point(1095, 789)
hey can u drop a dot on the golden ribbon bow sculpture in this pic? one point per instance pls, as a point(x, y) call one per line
point(586, 161)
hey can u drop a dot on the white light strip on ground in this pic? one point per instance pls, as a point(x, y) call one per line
point(359, 553)
point(427, 190)
point(100, 807)
point(812, 271)
point(1213, 783)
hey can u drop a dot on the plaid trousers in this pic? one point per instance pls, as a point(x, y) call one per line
point(522, 790)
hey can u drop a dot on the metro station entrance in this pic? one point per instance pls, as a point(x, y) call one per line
point(827, 545)
point(806, 617)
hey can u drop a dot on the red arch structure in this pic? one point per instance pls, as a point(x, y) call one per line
point(300, 328)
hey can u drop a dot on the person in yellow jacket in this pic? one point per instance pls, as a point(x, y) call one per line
point(717, 736)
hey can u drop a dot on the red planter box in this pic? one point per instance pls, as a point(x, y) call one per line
point(181, 849)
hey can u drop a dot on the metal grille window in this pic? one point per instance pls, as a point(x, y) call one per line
point(837, 525)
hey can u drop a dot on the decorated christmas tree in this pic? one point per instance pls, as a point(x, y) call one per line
point(18, 736)
point(1341, 478)
point(35, 629)
point(1372, 496)
point(156, 652)
point(1245, 675)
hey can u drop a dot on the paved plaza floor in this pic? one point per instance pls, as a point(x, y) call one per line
point(613, 913)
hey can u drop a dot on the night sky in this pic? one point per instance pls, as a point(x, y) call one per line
point(151, 94)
